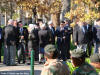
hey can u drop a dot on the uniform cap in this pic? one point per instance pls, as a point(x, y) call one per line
point(50, 48)
point(77, 53)
point(95, 58)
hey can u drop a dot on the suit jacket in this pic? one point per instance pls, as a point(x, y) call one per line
point(80, 36)
point(33, 39)
point(68, 31)
point(24, 33)
point(9, 35)
point(60, 34)
point(44, 37)
point(96, 33)
point(52, 35)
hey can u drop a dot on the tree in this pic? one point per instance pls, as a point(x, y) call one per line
point(7, 8)
point(44, 8)
point(85, 10)
point(65, 8)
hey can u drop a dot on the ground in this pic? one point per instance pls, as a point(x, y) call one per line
point(20, 69)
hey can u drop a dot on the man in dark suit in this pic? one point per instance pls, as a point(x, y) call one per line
point(52, 32)
point(61, 40)
point(15, 24)
point(80, 35)
point(68, 32)
point(23, 40)
point(89, 32)
point(44, 38)
point(9, 34)
point(96, 35)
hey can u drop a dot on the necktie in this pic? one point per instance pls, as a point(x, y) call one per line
point(52, 30)
point(21, 30)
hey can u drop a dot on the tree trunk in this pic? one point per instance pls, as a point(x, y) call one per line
point(65, 8)
point(56, 19)
point(5, 18)
point(0, 17)
point(11, 11)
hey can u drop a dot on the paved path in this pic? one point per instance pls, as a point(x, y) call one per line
point(20, 69)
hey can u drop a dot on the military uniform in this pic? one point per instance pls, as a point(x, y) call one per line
point(85, 69)
point(56, 67)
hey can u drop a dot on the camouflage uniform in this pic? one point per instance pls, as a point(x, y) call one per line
point(56, 67)
point(85, 69)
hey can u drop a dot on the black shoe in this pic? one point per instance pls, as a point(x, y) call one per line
point(40, 62)
point(14, 65)
point(23, 62)
point(18, 62)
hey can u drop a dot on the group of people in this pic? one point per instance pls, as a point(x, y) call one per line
point(18, 41)
point(22, 40)
point(54, 66)
point(86, 35)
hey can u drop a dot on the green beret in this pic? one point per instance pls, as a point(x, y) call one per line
point(95, 58)
point(77, 53)
point(50, 48)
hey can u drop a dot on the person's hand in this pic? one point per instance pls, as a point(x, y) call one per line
point(75, 43)
point(64, 37)
point(22, 37)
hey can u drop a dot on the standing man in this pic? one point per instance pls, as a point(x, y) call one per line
point(68, 32)
point(52, 32)
point(15, 24)
point(96, 33)
point(44, 38)
point(23, 41)
point(89, 32)
point(61, 40)
point(80, 36)
point(9, 34)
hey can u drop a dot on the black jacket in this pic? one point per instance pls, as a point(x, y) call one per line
point(24, 33)
point(9, 34)
point(33, 39)
point(96, 33)
point(81, 37)
point(52, 35)
point(44, 38)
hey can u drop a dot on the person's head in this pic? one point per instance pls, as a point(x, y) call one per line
point(66, 21)
point(77, 57)
point(80, 23)
point(98, 21)
point(51, 52)
point(31, 27)
point(40, 21)
point(15, 23)
point(10, 22)
point(20, 24)
point(50, 23)
point(62, 24)
point(43, 26)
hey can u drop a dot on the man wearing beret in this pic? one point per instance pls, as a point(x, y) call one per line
point(78, 60)
point(54, 66)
